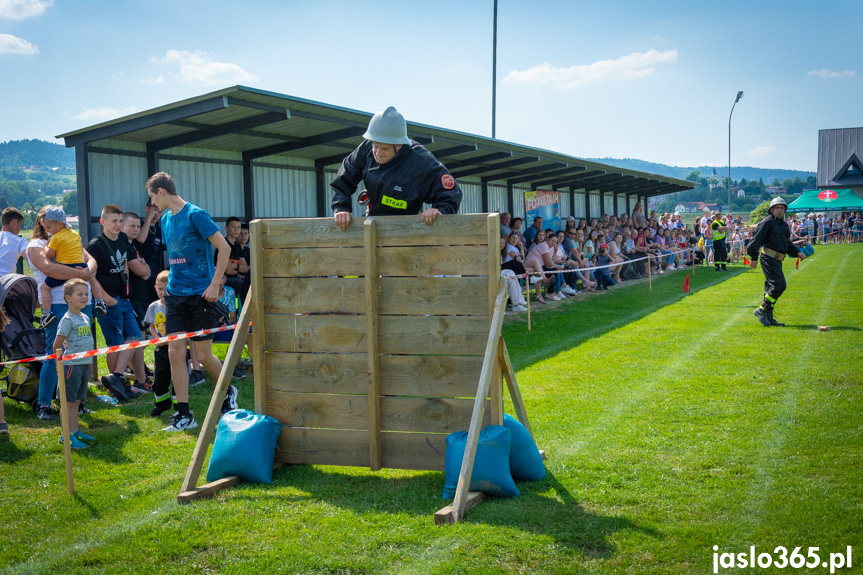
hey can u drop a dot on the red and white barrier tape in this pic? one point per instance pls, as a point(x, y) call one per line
point(123, 346)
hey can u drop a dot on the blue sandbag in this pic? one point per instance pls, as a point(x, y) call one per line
point(525, 462)
point(245, 446)
point(490, 465)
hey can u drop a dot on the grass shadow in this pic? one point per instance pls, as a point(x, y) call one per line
point(545, 507)
point(11, 453)
point(110, 439)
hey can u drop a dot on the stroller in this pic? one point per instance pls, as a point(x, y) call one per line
point(19, 297)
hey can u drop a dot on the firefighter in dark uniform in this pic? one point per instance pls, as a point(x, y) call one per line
point(400, 175)
point(720, 250)
point(772, 241)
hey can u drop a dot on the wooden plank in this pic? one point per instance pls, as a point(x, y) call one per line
point(208, 490)
point(463, 229)
point(445, 515)
point(64, 421)
point(488, 363)
point(421, 451)
point(371, 310)
point(406, 414)
point(441, 335)
point(396, 296)
point(496, 386)
point(514, 392)
point(256, 295)
point(428, 376)
point(392, 261)
point(208, 428)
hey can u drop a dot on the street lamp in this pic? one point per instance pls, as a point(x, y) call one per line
point(737, 99)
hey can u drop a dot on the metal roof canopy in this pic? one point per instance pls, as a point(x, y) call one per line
point(258, 124)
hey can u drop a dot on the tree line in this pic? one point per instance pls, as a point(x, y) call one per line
point(713, 189)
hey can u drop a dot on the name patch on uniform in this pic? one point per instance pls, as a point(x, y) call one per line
point(447, 181)
point(394, 203)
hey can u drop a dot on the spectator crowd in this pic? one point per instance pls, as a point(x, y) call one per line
point(120, 280)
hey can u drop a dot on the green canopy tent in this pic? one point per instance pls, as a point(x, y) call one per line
point(827, 201)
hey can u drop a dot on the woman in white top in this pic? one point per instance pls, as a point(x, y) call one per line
point(42, 267)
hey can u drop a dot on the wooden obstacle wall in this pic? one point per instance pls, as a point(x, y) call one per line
point(366, 356)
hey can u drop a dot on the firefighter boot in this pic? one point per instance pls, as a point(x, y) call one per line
point(773, 322)
point(763, 313)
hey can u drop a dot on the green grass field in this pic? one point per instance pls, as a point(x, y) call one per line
point(672, 423)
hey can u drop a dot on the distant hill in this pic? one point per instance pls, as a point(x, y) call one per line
point(26, 153)
point(737, 172)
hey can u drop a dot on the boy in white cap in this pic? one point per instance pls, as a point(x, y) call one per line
point(64, 246)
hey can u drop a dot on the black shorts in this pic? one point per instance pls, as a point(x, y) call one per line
point(192, 313)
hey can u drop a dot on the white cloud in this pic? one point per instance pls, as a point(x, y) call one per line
point(761, 151)
point(198, 69)
point(22, 9)
point(831, 73)
point(103, 114)
point(10, 44)
point(631, 67)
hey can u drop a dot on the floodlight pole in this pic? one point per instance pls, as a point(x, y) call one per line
point(739, 95)
point(494, 72)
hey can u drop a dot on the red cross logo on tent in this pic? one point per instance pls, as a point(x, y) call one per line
point(828, 195)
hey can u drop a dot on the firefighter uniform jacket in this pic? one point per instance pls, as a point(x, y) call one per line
point(772, 233)
point(399, 187)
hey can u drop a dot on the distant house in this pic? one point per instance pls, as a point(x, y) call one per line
point(72, 221)
point(686, 207)
point(702, 206)
point(774, 190)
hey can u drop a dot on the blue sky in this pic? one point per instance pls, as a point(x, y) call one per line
point(648, 80)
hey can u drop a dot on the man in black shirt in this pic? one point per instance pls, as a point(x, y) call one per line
point(400, 175)
point(772, 241)
point(110, 249)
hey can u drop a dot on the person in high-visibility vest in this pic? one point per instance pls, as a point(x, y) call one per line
point(720, 250)
point(772, 241)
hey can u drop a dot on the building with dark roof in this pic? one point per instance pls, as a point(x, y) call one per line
point(250, 153)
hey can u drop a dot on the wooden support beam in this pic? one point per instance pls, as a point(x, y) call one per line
point(371, 279)
point(514, 392)
point(446, 515)
point(459, 505)
point(496, 388)
point(208, 429)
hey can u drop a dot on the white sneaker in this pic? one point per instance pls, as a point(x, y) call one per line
point(567, 290)
point(519, 308)
point(561, 295)
point(182, 422)
point(534, 279)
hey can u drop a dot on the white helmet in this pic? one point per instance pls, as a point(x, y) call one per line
point(777, 201)
point(388, 127)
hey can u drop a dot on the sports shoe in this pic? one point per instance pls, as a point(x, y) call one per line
point(118, 388)
point(46, 414)
point(4, 428)
point(182, 422)
point(567, 290)
point(230, 401)
point(519, 308)
point(83, 436)
point(195, 378)
point(75, 442)
point(99, 307)
point(143, 387)
point(762, 316)
point(534, 279)
point(238, 373)
point(47, 319)
point(83, 409)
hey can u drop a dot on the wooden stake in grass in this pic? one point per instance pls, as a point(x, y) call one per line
point(649, 273)
point(64, 420)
